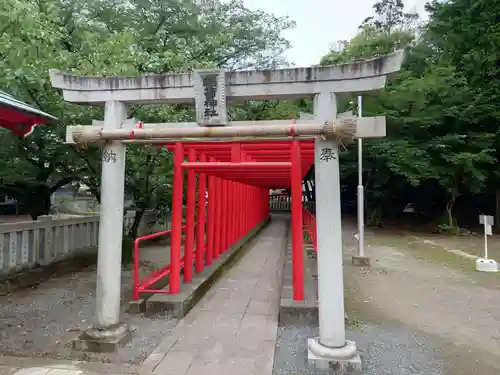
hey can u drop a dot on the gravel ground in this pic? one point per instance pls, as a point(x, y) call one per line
point(41, 322)
point(383, 352)
point(410, 314)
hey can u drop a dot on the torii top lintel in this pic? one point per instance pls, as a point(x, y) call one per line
point(356, 76)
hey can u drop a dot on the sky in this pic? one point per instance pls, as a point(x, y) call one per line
point(321, 23)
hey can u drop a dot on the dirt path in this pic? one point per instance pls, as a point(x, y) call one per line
point(428, 297)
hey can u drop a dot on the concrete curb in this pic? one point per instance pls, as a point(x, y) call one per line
point(299, 312)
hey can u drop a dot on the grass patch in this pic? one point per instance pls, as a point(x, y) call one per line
point(434, 255)
point(423, 251)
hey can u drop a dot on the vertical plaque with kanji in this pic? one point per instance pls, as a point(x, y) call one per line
point(210, 97)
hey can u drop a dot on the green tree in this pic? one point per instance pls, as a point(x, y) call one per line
point(467, 34)
point(434, 141)
point(114, 37)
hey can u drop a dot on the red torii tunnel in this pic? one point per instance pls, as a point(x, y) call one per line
point(237, 177)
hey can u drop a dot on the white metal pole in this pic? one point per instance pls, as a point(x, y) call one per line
point(485, 239)
point(361, 200)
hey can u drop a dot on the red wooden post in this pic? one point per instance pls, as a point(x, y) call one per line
point(190, 209)
point(264, 199)
point(235, 158)
point(211, 221)
point(252, 207)
point(175, 249)
point(234, 231)
point(249, 208)
point(239, 201)
point(244, 196)
point(224, 218)
point(256, 206)
point(200, 229)
point(218, 216)
point(297, 238)
point(242, 210)
point(267, 203)
point(230, 214)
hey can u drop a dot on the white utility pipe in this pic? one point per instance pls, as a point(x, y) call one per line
point(361, 199)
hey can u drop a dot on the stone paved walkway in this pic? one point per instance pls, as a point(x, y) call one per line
point(232, 330)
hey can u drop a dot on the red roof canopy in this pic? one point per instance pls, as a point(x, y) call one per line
point(19, 117)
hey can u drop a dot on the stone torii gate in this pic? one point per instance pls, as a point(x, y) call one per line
point(210, 90)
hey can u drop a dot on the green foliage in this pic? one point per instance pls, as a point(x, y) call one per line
point(114, 37)
point(441, 109)
point(446, 227)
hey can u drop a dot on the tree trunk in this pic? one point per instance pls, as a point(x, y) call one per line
point(38, 202)
point(449, 210)
point(96, 194)
point(130, 236)
point(134, 229)
point(374, 217)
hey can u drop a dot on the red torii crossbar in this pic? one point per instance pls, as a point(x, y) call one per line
point(239, 176)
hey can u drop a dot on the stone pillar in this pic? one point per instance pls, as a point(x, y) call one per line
point(330, 348)
point(107, 332)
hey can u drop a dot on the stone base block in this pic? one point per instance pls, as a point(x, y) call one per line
point(137, 307)
point(103, 340)
point(486, 265)
point(361, 261)
point(330, 363)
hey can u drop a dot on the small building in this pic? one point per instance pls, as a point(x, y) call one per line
point(20, 118)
